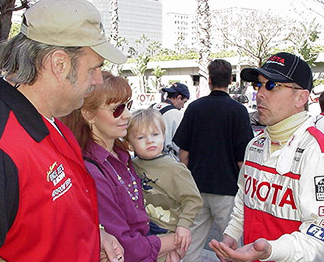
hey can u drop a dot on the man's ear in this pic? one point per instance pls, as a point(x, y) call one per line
point(302, 99)
point(60, 64)
point(231, 80)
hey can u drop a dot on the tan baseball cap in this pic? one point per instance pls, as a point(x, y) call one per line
point(69, 23)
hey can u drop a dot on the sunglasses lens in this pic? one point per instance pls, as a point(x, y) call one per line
point(256, 85)
point(270, 85)
point(129, 104)
point(119, 110)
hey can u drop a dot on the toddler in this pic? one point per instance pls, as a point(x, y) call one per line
point(172, 199)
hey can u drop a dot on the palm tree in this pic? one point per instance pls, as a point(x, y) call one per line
point(113, 21)
point(204, 25)
point(114, 33)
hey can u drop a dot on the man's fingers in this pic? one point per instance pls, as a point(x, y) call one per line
point(219, 250)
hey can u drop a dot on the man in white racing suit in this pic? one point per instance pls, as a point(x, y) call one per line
point(279, 208)
point(319, 119)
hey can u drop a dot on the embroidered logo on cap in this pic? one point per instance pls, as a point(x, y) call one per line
point(277, 60)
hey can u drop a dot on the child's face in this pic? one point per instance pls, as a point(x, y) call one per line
point(148, 142)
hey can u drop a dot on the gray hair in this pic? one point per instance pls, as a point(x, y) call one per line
point(22, 58)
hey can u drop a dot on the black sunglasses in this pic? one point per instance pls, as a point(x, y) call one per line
point(119, 109)
point(269, 85)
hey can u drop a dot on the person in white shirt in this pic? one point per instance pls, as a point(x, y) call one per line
point(177, 95)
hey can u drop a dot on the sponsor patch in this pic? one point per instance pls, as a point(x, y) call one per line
point(259, 142)
point(57, 176)
point(298, 154)
point(321, 211)
point(319, 188)
point(321, 223)
point(61, 190)
point(316, 232)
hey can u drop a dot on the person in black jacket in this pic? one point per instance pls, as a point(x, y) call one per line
point(212, 137)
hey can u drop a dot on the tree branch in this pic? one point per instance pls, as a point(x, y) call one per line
point(24, 4)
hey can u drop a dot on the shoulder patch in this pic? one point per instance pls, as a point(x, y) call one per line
point(319, 136)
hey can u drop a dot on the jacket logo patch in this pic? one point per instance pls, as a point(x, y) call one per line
point(319, 188)
point(259, 142)
point(62, 189)
point(298, 154)
point(316, 231)
point(51, 168)
point(269, 192)
point(56, 175)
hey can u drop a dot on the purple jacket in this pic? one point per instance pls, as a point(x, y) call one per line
point(122, 217)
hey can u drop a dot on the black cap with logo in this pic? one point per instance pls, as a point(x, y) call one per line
point(178, 87)
point(282, 67)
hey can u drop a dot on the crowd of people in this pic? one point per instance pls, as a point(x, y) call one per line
point(71, 191)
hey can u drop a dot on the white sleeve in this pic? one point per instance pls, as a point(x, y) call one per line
point(235, 225)
point(307, 244)
point(172, 119)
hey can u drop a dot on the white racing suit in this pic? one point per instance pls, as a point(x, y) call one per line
point(281, 196)
point(319, 121)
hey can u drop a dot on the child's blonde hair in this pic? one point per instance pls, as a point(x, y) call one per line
point(144, 118)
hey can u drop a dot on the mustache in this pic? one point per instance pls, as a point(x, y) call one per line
point(90, 89)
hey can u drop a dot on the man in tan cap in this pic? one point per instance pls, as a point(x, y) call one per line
point(48, 202)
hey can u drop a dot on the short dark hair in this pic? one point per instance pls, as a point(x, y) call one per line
point(321, 102)
point(175, 95)
point(220, 73)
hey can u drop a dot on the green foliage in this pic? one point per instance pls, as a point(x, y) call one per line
point(223, 54)
point(318, 82)
point(176, 56)
point(121, 44)
point(191, 55)
point(14, 30)
point(318, 48)
point(303, 38)
point(158, 72)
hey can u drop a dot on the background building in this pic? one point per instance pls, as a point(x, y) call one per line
point(136, 17)
point(180, 30)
